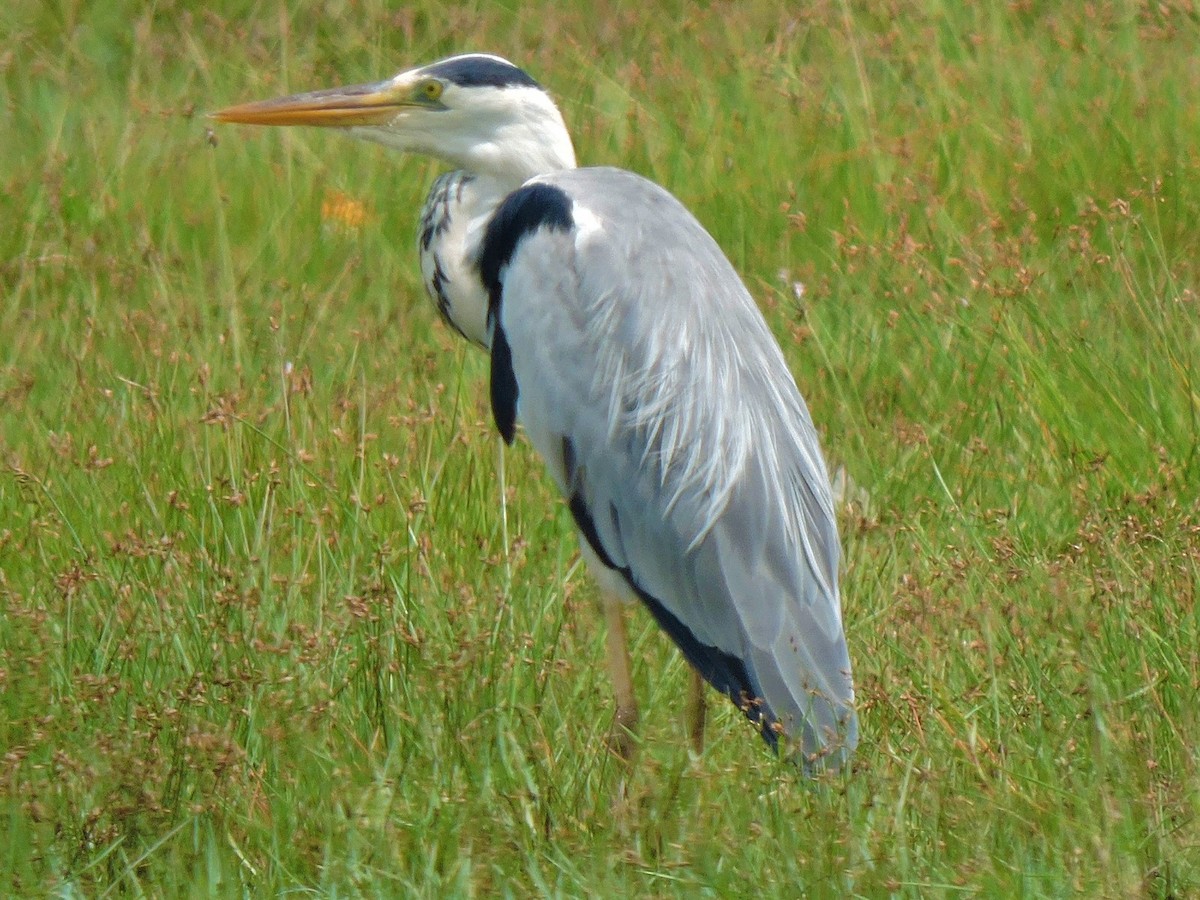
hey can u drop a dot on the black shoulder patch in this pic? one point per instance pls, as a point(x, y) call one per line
point(504, 386)
point(522, 213)
point(478, 70)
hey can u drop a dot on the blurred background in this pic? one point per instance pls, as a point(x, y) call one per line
point(278, 613)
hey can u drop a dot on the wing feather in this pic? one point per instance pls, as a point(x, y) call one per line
point(652, 386)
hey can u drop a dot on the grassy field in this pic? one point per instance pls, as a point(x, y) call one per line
point(278, 614)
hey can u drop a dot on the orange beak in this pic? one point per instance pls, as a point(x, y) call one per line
point(343, 107)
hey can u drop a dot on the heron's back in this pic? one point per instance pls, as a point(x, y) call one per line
point(695, 470)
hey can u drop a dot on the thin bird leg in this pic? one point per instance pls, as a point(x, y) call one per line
point(696, 712)
point(624, 738)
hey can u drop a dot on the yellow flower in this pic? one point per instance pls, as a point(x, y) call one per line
point(343, 213)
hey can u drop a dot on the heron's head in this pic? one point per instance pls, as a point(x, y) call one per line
point(478, 112)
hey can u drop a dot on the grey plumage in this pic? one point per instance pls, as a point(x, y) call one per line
point(693, 449)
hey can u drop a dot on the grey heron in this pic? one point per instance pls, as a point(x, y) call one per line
point(644, 374)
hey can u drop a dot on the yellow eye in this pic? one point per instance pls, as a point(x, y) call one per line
point(430, 90)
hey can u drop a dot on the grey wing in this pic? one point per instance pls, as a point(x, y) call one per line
point(648, 380)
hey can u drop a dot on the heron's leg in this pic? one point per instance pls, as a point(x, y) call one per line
point(696, 712)
point(620, 668)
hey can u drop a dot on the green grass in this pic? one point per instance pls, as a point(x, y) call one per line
point(278, 615)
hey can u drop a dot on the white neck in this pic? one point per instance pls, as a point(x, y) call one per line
point(457, 211)
point(498, 138)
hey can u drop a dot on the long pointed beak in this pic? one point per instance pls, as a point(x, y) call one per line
point(343, 107)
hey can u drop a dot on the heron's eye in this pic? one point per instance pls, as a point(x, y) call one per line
point(430, 91)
